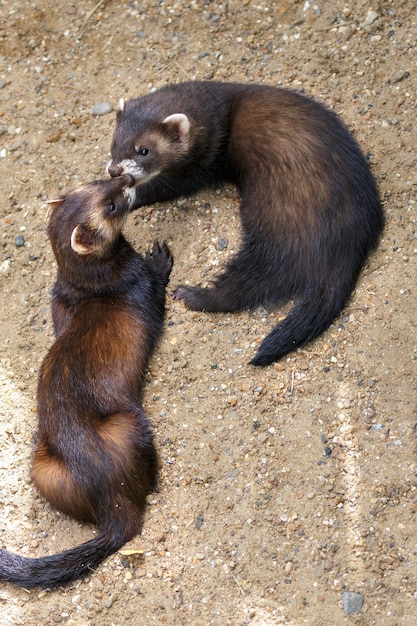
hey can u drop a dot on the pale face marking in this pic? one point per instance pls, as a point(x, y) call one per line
point(130, 194)
point(129, 166)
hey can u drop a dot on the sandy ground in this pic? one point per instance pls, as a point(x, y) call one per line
point(281, 488)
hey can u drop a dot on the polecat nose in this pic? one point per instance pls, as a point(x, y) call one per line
point(129, 180)
point(114, 170)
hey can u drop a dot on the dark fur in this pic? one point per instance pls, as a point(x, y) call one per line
point(95, 458)
point(310, 210)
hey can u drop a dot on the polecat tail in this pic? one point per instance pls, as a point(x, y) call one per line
point(310, 316)
point(64, 567)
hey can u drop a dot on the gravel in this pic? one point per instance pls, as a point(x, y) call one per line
point(253, 522)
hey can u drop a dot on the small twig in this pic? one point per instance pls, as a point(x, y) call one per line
point(108, 42)
point(239, 587)
point(292, 381)
point(89, 16)
point(183, 69)
point(335, 26)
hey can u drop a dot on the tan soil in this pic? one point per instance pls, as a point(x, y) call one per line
point(254, 523)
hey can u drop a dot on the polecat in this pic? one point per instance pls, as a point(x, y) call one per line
point(95, 458)
point(309, 209)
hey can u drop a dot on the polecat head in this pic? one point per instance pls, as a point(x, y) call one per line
point(89, 220)
point(146, 144)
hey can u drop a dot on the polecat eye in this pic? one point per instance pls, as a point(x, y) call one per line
point(112, 208)
point(142, 151)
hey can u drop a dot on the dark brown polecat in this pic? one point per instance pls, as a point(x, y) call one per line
point(95, 458)
point(309, 209)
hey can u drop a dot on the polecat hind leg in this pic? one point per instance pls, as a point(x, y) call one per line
point(249, 280)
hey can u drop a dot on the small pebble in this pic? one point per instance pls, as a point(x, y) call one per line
point(19, 241)
point(101, 108)
point(352, 602)
point(370, 18)
point(5, 266)
point(54, 137)
point(109, 603)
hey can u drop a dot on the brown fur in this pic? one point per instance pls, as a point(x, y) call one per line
point(95, 458)
point(309, 209)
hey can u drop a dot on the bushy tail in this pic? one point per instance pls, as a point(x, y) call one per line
point(310, 316)
point(62, 568)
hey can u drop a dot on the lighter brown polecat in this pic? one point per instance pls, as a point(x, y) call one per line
point(309, 208)
point(95, 457)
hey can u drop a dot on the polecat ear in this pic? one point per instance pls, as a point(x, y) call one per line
point(84, 241)
point(179, 122)
point(55, 203)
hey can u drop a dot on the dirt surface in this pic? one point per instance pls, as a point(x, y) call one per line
point(281, 488)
